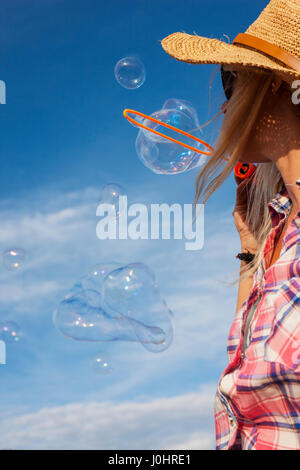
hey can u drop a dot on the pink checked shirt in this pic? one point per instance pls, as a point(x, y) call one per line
point(257, 403)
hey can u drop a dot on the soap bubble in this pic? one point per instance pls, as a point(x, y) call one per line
point(101, 363)
point(133, 292)
point(166, 157)
point(10, 332)
point(13, 258)
point(110, 195)
point(116, 303)
point(81, 316)
point(130, 73)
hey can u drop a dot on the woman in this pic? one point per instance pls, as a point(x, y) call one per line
point(257, 404)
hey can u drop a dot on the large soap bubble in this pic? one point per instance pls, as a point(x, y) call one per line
point(115, 303)
point(132, 291)
point(10, 332)
point(13, 258)
point(162, 155)
point(130, 72)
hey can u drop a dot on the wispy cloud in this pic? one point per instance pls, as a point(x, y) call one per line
point(178, 422)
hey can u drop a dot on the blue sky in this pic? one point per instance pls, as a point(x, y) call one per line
point(62, 137)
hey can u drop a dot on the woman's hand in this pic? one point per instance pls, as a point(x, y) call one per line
point(248, 240)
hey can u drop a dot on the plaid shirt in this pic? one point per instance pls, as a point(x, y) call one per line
point(257, 404)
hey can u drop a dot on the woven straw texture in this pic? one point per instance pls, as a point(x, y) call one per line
point(279, 24)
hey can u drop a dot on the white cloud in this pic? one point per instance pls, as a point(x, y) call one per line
point(179, 422)
point(196, 441)
point(13, 293)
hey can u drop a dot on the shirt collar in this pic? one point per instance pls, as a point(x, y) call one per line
point(280, 204)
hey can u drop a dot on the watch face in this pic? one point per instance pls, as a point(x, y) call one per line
point(227, 81)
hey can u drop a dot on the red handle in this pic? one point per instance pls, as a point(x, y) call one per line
point(244, 170)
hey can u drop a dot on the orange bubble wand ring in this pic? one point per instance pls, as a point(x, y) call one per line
point(242, 170)
point(131, 111)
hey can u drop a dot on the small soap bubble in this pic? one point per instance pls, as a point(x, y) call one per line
point(110, 194)
point(163, 156)
point(13, 258)
point(10, 332)
point(130, 72)
point(101, 363)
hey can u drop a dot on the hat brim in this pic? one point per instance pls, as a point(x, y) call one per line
point(201, 50)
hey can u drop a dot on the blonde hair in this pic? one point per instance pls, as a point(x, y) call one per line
point(241, 113)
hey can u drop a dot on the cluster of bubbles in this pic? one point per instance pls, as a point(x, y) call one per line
point(116, 303)
point(163, 156)
point(13, 260)
point(157, 153)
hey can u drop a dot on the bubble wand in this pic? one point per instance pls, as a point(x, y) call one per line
point(241, 170)
point(131, 111)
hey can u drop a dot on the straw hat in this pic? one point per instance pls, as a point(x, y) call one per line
point(272, 43)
